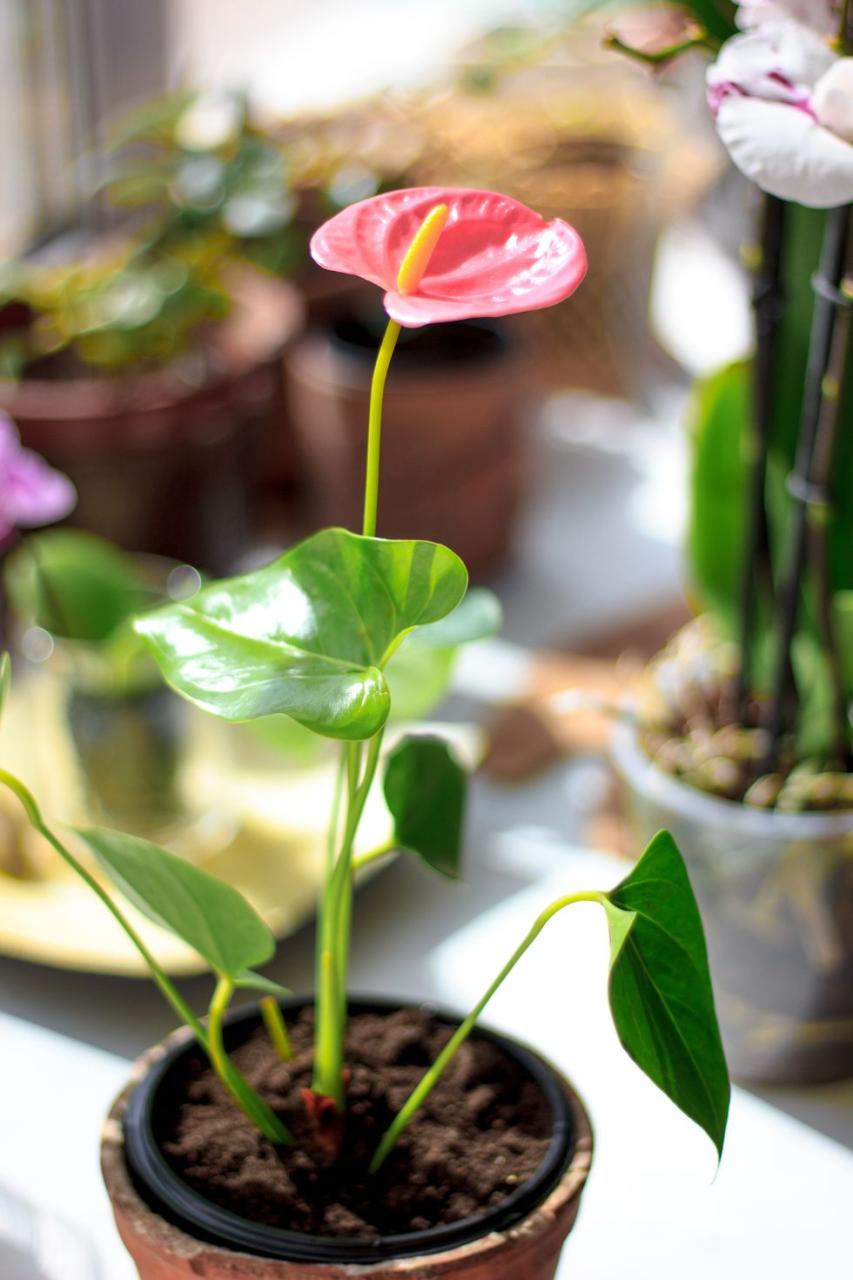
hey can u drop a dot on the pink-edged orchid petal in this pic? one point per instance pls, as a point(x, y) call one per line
point(820, 15)
point(833, 99)
point(495, 256)
point(787, 153)
point(31, 492)
point(766, 91)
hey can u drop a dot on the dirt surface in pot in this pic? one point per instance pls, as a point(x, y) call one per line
point(484, 1130)
point(687, 705)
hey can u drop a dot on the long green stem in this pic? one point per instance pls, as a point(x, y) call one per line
point(374, 427)
point(373, 855)
point(276, 1028)
point(334, 950)
point(238, 1087)
point(430, 1079)
point(174, 998)
point(249, 1102)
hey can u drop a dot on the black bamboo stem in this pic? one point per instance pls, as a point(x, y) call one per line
point(803, 481)
point(757, 570)
point(836, 391)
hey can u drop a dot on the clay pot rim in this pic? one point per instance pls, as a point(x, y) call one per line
point(471, 1238)
point(646, 778)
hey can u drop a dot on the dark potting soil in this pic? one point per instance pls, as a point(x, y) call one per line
point(484, 1129)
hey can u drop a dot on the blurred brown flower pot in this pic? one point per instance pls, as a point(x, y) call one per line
point(517, 1242)
point(165, 461)
point(452, 440)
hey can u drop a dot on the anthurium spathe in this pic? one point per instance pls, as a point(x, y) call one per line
point(491, 256)
point(783, 103)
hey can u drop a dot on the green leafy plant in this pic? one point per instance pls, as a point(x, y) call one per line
point(316, 636)
point(771, 522)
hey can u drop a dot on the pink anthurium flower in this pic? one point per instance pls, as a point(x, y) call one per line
point(820, 15)
point(488, 255)
point(31, 493)
point(783, 103)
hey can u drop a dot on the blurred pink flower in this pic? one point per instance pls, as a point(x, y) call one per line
point(783, 103)
point(31, 492)
point(820, 15)
point(494, 256)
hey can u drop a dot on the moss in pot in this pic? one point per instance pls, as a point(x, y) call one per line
point(316, 1139)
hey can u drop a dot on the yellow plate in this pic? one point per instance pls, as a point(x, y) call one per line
point(260, 828)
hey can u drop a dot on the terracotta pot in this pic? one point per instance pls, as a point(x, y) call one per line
point(518, 1241)
point(165, 462)
point(453, 432)
point(776, 895)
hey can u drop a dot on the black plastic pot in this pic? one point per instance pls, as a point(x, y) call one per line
point(162, 1189)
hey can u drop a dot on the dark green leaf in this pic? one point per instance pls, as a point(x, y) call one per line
point(211, 917)
point(309, 634)
point(425, 791)
point(660, 987)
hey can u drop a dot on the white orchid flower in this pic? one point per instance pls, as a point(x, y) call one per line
point(783, 103)
point(820, 15)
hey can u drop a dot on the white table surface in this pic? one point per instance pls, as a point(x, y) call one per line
point(779, 1205)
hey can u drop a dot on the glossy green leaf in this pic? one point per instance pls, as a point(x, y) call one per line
point(74, 584)
point(207, 914)
point(309, 634)
point(425, 788)
point(660, 987)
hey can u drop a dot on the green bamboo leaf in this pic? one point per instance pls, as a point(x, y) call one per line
point(719, 418)
point(211, 917)
point(660, 987)
point(309, 634)
point(425, 789)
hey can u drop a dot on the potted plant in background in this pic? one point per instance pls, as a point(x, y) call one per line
point(331, 1137)
point(105, 738)
point(743, 746)
point(147, 365)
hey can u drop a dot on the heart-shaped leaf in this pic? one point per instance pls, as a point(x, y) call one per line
point(307, 635)
point(425, 789)
point(660, 988)
point(211, 917)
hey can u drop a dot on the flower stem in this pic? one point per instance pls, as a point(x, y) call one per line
point(757, 568)
point(374, 427)
point(430, 1079)
point(334, 949)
